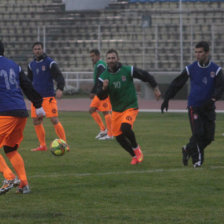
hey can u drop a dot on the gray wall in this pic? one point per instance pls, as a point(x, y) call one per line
point(85, 4)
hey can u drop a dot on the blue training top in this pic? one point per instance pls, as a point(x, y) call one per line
point(202, 83)
point(42, 79)
point(11, 96)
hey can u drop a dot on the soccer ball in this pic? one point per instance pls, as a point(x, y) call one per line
point(58, 147)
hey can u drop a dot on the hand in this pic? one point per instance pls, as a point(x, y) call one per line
point(157, 93)
point(40, 112)
point(209, 104)
point(164, 105)
point(59, 93)
point(105, 84)
point(91, 95)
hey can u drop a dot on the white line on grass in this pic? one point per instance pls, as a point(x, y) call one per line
point(172, 111)
point(121, 172)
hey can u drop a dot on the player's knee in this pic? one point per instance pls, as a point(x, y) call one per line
point(54, 120)
point(125, 127)
point(106, 113)
point(8, 149)
point(92, 110)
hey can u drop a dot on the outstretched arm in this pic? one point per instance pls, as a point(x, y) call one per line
point(147, 77)
point(173, 88)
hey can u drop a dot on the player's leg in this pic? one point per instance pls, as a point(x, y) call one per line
point(95, 103)
point(40, 132)
point(192, 149)
point(209, 131)
point(11, 145)
point(124, 141)
point(130, 135)
point(59, 129)
point(7, 125)
point(105, 108)
point(39, 128)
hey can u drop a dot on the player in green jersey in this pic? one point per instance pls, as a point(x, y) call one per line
point(117, 82)
point(96, 105)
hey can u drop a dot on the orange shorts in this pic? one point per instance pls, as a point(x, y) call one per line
point(127, 116)
point(11, 130)
point(49, 105)
point(101, 105)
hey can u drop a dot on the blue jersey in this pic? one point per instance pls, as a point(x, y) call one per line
point(11, 97)
point(42, 78)
point(202, 83)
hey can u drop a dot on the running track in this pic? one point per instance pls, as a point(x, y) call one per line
point(82, 104)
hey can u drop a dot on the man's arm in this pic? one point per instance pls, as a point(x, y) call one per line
point(173, 88)
point(57, 76)
point(29, 91)
point(147, 77)
point(144, 76)
point(219, 86)
point(102, 91)
point(99, 71)
point(29, 73)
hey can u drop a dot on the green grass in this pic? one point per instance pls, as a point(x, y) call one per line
point(95, 183)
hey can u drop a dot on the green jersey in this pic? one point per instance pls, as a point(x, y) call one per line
point(96, 74)
point(121, 88)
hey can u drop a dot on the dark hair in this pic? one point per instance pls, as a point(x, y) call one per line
point(38, 43)
point(204, 45)
point(2, 49)
point(95, 51)
point(112, 51)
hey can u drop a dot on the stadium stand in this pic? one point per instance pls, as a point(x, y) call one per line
point(70, 35)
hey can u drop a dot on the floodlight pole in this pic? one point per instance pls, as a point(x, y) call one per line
point(181, 34)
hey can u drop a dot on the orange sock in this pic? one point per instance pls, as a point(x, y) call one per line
point(98, 120)
point(5, 170)
point(18, 164)
point(108, 122)
point(60, 131)
point(40, 133)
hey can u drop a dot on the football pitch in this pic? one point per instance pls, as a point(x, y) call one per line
point(95, 184)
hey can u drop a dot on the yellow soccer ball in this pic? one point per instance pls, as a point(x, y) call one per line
point(58, 147)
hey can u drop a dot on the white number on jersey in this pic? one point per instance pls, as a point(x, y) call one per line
point(10, 79)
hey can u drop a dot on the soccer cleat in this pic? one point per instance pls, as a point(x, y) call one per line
point(101, 134)
point(134, 161)
point(139, 154)
point(197, 164)
point(9, 184)
point(40, 148)
point(185, 156)
point(106, 137)
point(23, 190)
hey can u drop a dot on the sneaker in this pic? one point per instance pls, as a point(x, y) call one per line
point(101, 134)
point(185, 156)
point(23, 190)
point(106, 137)
point(9, 184)
point(139, 154)
point(197, 164)
point(40, 148)
point(134, 161)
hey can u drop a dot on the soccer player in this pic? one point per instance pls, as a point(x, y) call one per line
point(117, 82)
point(42, 71)
point(206, 86)
point(13, 116)
point(100, 105)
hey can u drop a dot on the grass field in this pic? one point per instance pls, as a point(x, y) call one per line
point(95, 183)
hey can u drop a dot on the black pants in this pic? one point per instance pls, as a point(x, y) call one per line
point(203, 131)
